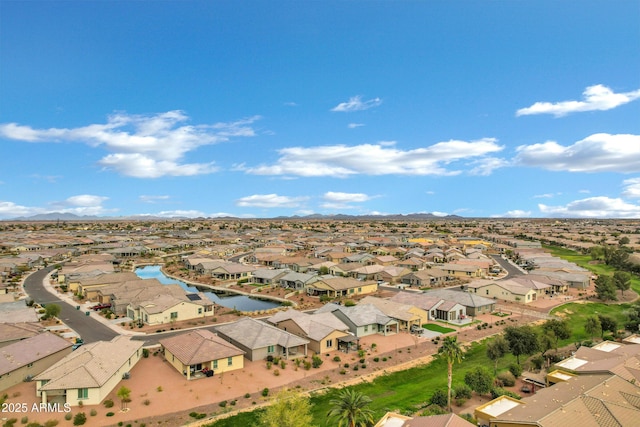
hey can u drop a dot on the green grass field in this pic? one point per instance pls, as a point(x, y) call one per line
point(405, 391)
point(437, 328)
point(576, 314)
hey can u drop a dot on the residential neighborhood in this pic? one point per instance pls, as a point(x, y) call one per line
point(178, 298)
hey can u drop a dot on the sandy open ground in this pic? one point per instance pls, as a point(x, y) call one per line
point(159, 394)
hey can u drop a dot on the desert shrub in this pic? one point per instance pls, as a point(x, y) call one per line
point(276, 372)
point(10, 422)
point(93, 413)
point(110, 414)
point(499, 391)
point(462, 391)
point(145, 353)
point(108, 403)
point(247, 395)
point(507, 379)
point(197, 415)
point(222, 404)
point(68, 416)
point(515, 369)
point(265, 392)
point(439, 398)
point(146, 402)
point(79, 419)
point(316, 361)
point(336, 359)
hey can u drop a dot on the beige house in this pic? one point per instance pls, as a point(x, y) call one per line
point(24, 359)
point(323, 330)
point(341, 286)
point(407, 315)
point(89, 286)
point(503, 290)
point(167, 308)
point(90, 373)
point(198, 352)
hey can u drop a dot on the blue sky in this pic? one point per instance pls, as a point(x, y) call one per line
point(270, 108)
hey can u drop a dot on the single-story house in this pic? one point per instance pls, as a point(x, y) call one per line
point(90, 373)
point(425, 278)
point(475, 304)
point(437, 308)
point(407, 315)
point(25, 359)
point(335, 287)
point(506, 290)
point(201, 351)
point(166, 308)
point(260, 340)
point(362, 319)
point(323, 330)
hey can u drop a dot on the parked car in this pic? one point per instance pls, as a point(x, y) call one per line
point(101, 306)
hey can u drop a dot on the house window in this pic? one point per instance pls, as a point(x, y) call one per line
point(487, 291)
point(359, 290)
point(215, 364)
point(199, 310)
point(351, 291)
point(174, 315)
point(366, 328)
point(83, 393)
point(271, 349)
point(329, 343)
point(229, 361)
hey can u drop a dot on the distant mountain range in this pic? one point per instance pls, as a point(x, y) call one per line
point(61, 216)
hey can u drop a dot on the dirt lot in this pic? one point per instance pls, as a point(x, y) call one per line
point(159, 394)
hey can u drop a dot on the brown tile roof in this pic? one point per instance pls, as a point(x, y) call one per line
point(199, 346)
point(16, 355)
point(91, 365)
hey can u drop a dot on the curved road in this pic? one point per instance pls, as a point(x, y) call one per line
point(89, 329)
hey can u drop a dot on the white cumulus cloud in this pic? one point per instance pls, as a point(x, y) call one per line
point(355, 103)
point(593, 207)
point(631, 188)
point(601, 152)
point(142, 146)
point(270, 201)
point(377, 159)
point(596, 98)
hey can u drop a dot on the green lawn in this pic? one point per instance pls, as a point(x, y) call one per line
point(576, 315)
point(437, 328)
point(405, 391)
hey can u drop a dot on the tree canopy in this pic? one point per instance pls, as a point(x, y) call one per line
point(452, 351)
point(480, 380)
point(605, 288)
point(289, 409)
point(522, 340)
point(350, 409)
point(496, 349)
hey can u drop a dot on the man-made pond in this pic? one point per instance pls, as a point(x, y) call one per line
point(236, 301)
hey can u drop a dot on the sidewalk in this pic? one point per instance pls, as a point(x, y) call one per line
point(86, 307)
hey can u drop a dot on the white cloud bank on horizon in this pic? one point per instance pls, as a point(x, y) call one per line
point(339, 200)
point(596, 98)
point(83, 204)
point(142, 146)
point(380, 159)
point(601, 152)
point(593, 207)
point(270, 201)
point(355, 103)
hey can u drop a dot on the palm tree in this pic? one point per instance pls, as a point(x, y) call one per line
point(453, 352)
point(350, 409)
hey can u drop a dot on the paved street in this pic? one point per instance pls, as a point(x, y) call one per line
point(512, 270)
point(88, 328)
